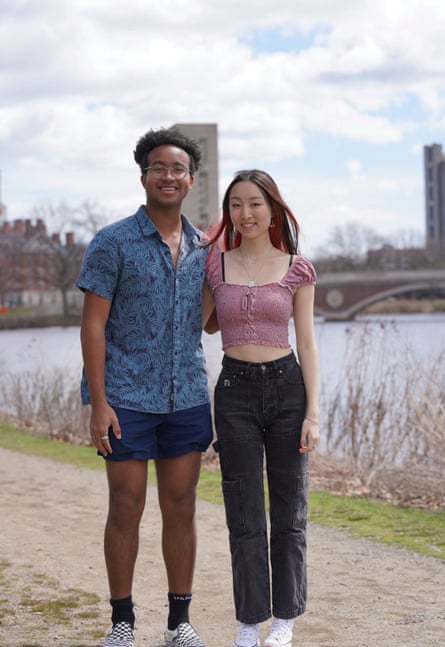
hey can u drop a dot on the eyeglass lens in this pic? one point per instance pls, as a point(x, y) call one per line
point(159, 170)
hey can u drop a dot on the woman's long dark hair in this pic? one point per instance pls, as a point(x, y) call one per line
point(284, 230)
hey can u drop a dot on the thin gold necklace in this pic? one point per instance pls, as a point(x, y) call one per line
point(175, 245)
point(251, 282)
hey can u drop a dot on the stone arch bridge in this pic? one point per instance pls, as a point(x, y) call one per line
point(341, 295)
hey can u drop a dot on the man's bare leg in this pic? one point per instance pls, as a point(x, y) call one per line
point(127, 481)
point(177, 480)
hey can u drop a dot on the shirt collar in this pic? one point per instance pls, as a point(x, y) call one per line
point(194, 235)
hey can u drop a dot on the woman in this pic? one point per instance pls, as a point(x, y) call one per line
point(266, 401)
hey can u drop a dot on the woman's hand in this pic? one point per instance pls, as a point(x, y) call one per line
point(310, 435)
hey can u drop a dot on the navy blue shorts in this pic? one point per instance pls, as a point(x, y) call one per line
point(161, 435)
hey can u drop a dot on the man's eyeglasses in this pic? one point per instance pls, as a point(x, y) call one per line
point(178, 171)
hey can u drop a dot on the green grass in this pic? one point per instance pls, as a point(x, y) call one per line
point(29, 443)
point(62, 608)
point(44, 602)
point(416, 529)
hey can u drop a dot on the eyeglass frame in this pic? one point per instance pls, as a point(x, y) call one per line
point(162, 171)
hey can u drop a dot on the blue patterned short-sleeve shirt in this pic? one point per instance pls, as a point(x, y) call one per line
point(154, 357)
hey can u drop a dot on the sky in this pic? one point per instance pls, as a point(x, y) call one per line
point(334, 98)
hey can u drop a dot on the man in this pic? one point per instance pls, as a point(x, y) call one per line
point(145, 378)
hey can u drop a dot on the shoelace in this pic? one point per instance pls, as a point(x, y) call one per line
point(248, 633)
point(280, 629)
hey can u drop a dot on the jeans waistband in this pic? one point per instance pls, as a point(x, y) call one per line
point(273, 367)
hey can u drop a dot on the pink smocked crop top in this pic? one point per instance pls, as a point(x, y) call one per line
point(258, 314)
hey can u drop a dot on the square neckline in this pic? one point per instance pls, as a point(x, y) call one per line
point(292, 258)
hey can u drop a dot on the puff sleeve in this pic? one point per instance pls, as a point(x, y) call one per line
point(300, 273)
point(214, 269)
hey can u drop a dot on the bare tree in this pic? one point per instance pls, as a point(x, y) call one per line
point(55, 259)
point(408, 239)
point(54, 264)
point(83, 219)
point(353, 246)
point(347, 246)
point(88, 218)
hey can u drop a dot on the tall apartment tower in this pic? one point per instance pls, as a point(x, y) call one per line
point(201, 203)
point(434, 163)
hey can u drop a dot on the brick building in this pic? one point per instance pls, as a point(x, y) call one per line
point(36, 269)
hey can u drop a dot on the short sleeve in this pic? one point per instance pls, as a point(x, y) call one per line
point(100, 268)
point(214, 269)
point(300, 273)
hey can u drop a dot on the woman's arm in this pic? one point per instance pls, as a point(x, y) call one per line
point(308, 356)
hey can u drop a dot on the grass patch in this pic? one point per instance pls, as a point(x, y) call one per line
point(43, 603)
point(416, 529)
point(30, 443)
point(58, 609)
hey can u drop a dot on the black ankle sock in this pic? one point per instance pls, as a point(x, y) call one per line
point(122, 610)
point(178, 604)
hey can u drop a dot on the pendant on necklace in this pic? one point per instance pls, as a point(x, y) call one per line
point(251, 284)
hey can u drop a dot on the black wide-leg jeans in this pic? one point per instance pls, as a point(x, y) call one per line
point(259, 410)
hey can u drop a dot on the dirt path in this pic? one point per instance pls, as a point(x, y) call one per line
point(52, 517)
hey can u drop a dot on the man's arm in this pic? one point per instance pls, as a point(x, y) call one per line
point(209, 319)
point(95, 314)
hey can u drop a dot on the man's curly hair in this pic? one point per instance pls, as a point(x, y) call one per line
point(166, 136)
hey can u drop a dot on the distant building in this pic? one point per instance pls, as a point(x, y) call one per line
point(434, 165)
point(38, 270)
point(201, 204)
point(3, 210)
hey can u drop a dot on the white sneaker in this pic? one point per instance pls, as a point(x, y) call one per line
point(280, 634)
point(247, 636)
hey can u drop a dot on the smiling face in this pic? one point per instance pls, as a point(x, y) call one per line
point(166, 191)
point(249, 210)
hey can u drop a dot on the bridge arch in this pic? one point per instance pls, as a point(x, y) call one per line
point(342, 296)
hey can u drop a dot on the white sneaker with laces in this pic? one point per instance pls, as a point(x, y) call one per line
point(280, 634)
point(247, 636)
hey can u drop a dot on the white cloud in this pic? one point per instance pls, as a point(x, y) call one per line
point(386, 185)
point(355, 169)
point(84, 81)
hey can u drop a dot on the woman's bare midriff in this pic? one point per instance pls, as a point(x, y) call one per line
point(256, 353)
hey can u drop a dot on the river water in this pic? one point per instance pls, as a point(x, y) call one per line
point(421, 335)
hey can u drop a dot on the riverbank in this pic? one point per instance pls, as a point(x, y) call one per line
point(10, 321)
point(406, 306)
point(28, 318)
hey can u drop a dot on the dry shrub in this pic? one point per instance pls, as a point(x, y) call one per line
point(386, 414)
point(47, 402)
